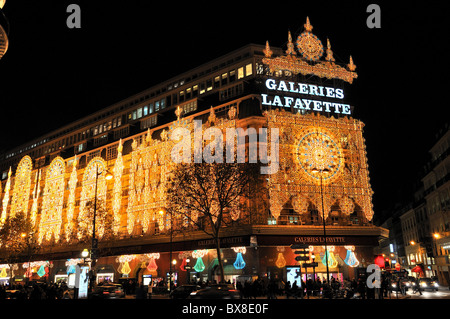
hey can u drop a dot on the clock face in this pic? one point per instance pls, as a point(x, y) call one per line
point(309, 46)
point(317, 151)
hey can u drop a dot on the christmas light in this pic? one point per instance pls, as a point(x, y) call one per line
point(311, 50)
point(124, 266)
point(152, 266)
point(199, 254)
point(281, 262)
point(332, 262)
point(71, 200)
point(117, 190)
point(239, 263)
point(351, 259)
point(199, 265)
point(22, 184)
point(52, 204)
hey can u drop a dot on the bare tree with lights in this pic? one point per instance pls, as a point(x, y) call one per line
point(211, 196)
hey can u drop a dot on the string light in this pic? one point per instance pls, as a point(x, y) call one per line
point(311, 50)
point(52, 204)
point(22, 186)
point(117, 190)
point(71, 200)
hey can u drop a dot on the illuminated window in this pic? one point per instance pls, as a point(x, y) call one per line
point(232, 76)
point(145, 110)
point(224, 79)
point(150, 108)
point(248, 69)
point(139, 112)
point(240, 73)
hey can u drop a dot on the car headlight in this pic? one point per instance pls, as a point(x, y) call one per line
point(413, 283)
point(394, 285)
point(436, 284)
point(408, 284)
point(423, 284)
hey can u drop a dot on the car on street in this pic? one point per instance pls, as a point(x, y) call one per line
point(405, 284)
point(182, 292)
point(109, 291)
point(220, 291)
point(428, 283)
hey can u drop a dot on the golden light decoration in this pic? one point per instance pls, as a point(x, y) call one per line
point(117, 190)
point(281, 261)
point(146, 191)
point(52, 204)
point(124, 261)
point(316, 141)
point(71, 200)
point(36, 193)
point(88, 195)
point(311, 49)
point(22, 184)
point(241, 249)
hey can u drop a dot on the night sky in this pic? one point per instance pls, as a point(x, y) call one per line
point(53, 75)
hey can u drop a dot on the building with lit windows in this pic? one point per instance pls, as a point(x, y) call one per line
point(321, 180)
point(436, 184)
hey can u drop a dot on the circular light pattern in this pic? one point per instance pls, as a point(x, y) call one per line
point(318, 151)
point(309, 46)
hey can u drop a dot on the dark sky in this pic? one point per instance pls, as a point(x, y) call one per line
point(52, 75)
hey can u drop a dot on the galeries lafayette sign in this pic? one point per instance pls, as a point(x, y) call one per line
point(286, 240)
point(299, 96)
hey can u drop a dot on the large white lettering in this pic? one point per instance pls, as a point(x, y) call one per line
point(303, 103)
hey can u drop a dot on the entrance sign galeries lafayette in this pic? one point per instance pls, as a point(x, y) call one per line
point(307, 90)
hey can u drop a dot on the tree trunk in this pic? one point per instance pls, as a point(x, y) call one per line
point(219, 258)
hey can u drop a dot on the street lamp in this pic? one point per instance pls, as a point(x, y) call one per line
point(320, 172)
point(85, 253)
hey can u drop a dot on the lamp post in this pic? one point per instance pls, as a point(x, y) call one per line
point(320, 172)
point(94, 244)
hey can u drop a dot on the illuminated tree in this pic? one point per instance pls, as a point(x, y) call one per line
point(103, 222)
point(18, 239)
point(211, 195)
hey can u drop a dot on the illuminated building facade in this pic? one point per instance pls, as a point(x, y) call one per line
point(54, 178)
